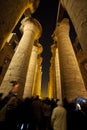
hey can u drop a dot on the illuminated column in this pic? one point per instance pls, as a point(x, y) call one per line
point(31, 72)
point(38, 83)
point(71, 78)
point(78, 15)
point(51, 84)
point(18, 67)
point(58, 76)
point(55, 79)
point(38, 78)
point(7, 53)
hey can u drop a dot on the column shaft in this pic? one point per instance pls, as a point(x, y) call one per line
point(51, 84)
point(78, 14)
point(18, 67)
point(72, 82)
point(38, 78)
point(58, 76)
point(30, 73)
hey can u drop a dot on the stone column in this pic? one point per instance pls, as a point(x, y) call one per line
point(58, 76)
point(51, 85)
point(78, 15)
point(7, 53)
point(38, 78)
point(31, 72)
point(18, 67)
point(55, 78)
point(71, 78)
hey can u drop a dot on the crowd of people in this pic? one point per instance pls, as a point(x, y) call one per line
point(40, 114)
point(25, 114)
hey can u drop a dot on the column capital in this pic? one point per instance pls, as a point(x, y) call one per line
point(34, 26)
point(64, 26)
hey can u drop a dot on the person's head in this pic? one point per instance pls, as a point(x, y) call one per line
point(60, 103)
point(15, 86)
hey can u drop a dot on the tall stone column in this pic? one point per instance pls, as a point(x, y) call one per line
point(71, 78)
point(78, 15)
point(58, 76)
point(31, 72)
point(38, 81)
point(38, 78)
point(51, 85)
point(54, 90)
point(18, 67)
point(7, 53)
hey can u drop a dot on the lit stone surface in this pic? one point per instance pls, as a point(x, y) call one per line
point(58, 76)
point(71, 78)
point(7, 53)
point(18, 67)
point(38, 77)
point(30, 73)
point(82, 60)
point(78, 14)
point(51, 84)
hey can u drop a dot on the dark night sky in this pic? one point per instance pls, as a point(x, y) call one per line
point(46, 14)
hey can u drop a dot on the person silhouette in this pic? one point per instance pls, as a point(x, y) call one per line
point(58, 117)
